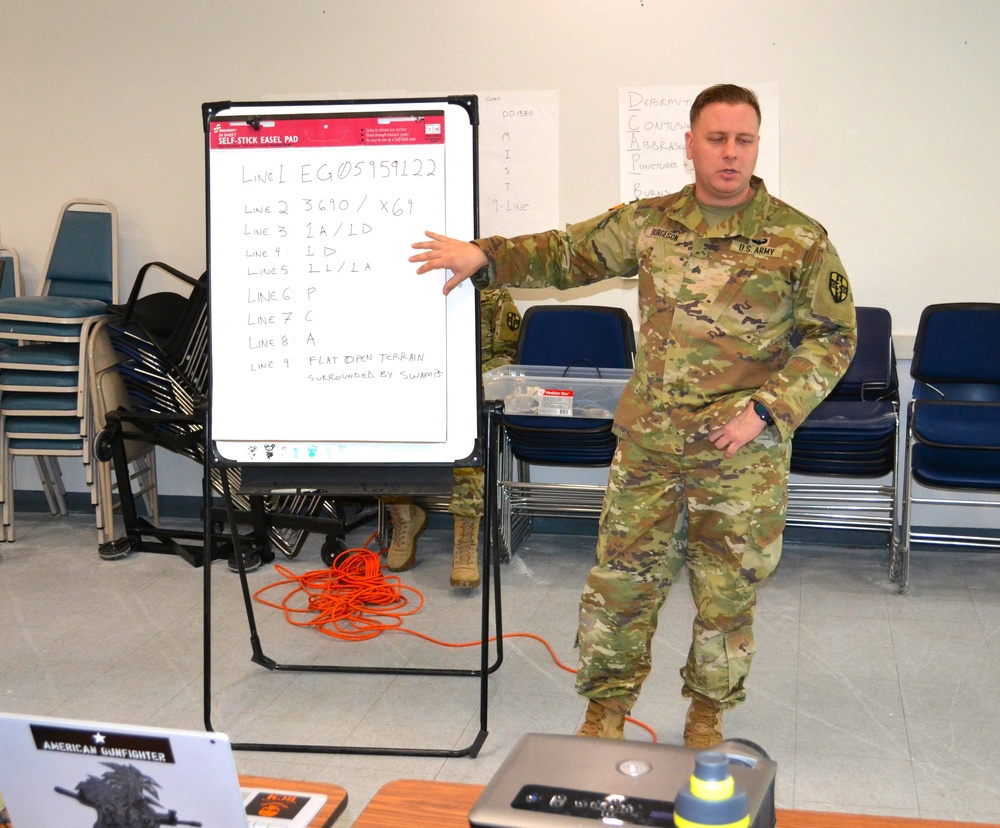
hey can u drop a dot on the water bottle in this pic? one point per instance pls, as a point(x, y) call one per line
point(711, 799)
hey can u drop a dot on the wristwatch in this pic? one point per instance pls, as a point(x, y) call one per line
point(763, 413)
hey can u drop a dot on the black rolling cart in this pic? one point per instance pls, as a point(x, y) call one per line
point(161, 340)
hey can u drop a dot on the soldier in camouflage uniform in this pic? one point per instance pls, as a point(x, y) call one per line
point(500, 325)
point(727, 274)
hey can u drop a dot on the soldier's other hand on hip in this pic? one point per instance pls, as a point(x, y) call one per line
point(742, 429)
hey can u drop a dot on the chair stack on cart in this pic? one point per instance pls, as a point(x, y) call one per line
point(154, 398)
point(162, 340)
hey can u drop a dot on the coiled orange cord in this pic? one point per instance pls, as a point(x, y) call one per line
point(354, 600)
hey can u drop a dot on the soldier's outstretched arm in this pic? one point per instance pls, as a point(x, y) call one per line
point(463, 259)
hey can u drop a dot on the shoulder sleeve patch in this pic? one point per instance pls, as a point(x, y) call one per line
point(508, 322)
point(839, 287)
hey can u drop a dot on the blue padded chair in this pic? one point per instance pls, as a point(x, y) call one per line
point(81, 276)
point(953, 424)
point(45, 409)
point(846, 449)
point(582, 340)
point(12, 285)
point(81, 279)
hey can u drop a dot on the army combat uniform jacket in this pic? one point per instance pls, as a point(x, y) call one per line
point(499, 328)
point(718, 308)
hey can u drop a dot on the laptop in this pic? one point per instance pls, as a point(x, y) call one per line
point(555, 781)
point(67, 773)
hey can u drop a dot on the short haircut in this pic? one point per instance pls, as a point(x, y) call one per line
point(726, 93)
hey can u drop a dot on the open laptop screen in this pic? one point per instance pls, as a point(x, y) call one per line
point(75, 773)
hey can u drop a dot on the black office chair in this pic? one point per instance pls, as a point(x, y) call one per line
point(571, 342)
point(953, 423)
point(847, 447)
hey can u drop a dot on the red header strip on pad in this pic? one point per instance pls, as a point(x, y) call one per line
point(369, 130)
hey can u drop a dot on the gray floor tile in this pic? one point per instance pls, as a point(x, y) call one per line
point(837, 783)
point(966, 791)
point(869, 701)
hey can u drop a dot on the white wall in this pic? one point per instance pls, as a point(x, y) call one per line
point(888, 123)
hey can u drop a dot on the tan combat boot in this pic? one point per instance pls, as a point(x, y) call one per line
point(603, 722)
point(408, 521)
point(465, 570)
point(703, 725)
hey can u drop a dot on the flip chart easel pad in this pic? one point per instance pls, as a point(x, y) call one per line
point(327, 346)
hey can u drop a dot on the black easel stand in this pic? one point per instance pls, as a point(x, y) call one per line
point(491, 568)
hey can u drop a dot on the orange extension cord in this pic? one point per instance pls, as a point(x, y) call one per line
point(354, 600)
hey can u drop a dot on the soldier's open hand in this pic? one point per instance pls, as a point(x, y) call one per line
point(463, 259)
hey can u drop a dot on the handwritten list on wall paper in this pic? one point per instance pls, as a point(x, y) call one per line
point(652, 123)
point(519, 161)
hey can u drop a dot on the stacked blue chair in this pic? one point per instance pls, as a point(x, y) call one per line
point(844, 454)
point(953, 424)
point(580, 340)
point(11, 285)
point(45, 404)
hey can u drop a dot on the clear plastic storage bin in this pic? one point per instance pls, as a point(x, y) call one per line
point(554, 391)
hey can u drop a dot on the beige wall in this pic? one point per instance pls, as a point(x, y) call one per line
point(888, 126)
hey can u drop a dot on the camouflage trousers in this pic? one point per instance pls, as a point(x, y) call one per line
point(466, 493)
point(721, 518)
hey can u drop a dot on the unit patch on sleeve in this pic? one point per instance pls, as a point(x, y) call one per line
point(510, 322)
point(839, 289)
